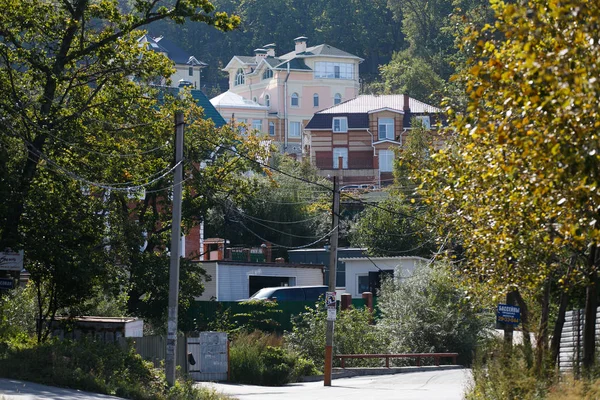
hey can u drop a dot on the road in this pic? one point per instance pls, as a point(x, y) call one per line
point(11, 389)
point(430, 385)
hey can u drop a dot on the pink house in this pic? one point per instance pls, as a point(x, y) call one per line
point(290, 88)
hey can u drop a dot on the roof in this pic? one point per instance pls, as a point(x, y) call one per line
point(210, 112)
point(323, 50)
point(233, 100)
point(295, 63)
point(324, 121)
point(368, 103)
point(228, 263)
point(100, 319)
point(174, 52)
point(383, 258)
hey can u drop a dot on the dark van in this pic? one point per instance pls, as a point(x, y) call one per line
point(290, 293)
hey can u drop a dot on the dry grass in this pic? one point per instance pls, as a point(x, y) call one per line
point(570, 389)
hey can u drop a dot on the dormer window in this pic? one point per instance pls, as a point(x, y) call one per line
point(295, 100)
point(239, 77)
point(268, 74)
point(385, 126)
point(340, 124)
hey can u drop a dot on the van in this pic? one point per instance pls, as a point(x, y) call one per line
point(290, 293)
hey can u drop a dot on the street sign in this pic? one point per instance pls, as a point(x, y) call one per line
point(11, 260)
point(7, 283)
point(331, 314)
point(330, 299)
point(508, 315)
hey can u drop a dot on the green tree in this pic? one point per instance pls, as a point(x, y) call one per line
point(520, 179)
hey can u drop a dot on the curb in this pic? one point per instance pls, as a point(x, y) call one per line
point(338, 373)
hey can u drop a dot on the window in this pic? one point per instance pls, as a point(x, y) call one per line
point(386, 128)
point(362, 282)
point(191, 71)
point(257, 124)
point(267, 100)
point(334, 70)
point(272, 128)
point(337, 99)
point(239, 77)
point(337, 153)
point(315, 100)
point(267, 74)
point(241, 123)
point(386, 160)
point(295, 102)
point(340, 124)
point(294, 129)
point(425, 121)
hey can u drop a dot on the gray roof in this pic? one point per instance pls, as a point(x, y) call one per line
point(368, 103)
point(173, 51)
point(320, 50)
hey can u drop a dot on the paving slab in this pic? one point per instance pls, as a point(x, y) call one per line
point(11, 389)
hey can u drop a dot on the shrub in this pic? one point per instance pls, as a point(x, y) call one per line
point(353, 334)
point(95, 367)
point(258, 358)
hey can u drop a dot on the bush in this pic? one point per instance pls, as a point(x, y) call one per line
point(259, 359)
point(95, 367)
point(353, 334)
point(428, 313)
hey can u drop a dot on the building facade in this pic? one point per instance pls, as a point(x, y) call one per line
point(355, 140)
point(290, 88)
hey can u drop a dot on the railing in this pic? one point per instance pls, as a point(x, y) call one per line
point(417, 356)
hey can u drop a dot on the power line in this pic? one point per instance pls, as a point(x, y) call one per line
point(288, 247)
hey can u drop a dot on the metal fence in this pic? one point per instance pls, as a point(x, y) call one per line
point(154, 348)
point(571, 340)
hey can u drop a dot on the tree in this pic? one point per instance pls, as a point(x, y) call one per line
point(520, 179)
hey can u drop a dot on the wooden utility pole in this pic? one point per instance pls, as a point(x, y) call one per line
point(170, 359)
point(332, 276)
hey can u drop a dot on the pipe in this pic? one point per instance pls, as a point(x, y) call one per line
point(285, 115)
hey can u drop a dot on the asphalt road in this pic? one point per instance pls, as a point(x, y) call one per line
point(429, 385)
point(11, 389)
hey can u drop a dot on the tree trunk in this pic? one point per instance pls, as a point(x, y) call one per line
point(591, 304)
point(542, 339)
point(525, 328)
point(560, 318)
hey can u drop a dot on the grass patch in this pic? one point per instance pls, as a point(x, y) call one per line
point(96, 367)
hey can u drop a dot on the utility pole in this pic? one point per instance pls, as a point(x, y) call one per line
point(170, 359)
point(332, 273)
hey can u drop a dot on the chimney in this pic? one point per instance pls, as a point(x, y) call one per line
point(260, 54)
point(406, 103)
point(300, 44)
point(270, 49)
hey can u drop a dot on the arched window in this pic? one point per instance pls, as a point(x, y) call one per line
point(254, 100)
point(267, 100)
point(239, 77)
point(295, 100)
point(315, 100)
point(337, 99)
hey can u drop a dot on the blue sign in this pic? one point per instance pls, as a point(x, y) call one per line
point(7, 283)
point(509, 315)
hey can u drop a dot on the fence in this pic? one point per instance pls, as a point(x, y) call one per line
point(201, 313)
point(571, 340)
point(154, 348)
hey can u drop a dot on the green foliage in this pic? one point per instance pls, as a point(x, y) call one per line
point(501, 372)
point(17, 314)
point(259, 316)
point(258, 358)
point(354, 334)
point(427, 312)
point(96, 367)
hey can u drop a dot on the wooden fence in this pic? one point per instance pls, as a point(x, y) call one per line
point(571, 340)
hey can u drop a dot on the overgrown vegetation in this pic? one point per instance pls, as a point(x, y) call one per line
point(261, 359)
point(95, 367)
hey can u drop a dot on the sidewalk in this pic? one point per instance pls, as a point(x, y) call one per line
point(11, 389)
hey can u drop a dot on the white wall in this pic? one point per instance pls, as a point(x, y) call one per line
point(233, 280)
point(210, 287)
point(403, 267)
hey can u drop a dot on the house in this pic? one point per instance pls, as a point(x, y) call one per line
point(354, 140)
point(321, 256)
point(283, 92)
point(238, 280)
point(364, 274)
point(188, 69)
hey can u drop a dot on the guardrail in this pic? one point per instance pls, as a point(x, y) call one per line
point(417, 356)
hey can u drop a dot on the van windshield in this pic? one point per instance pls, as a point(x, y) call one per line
point(263, 293)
